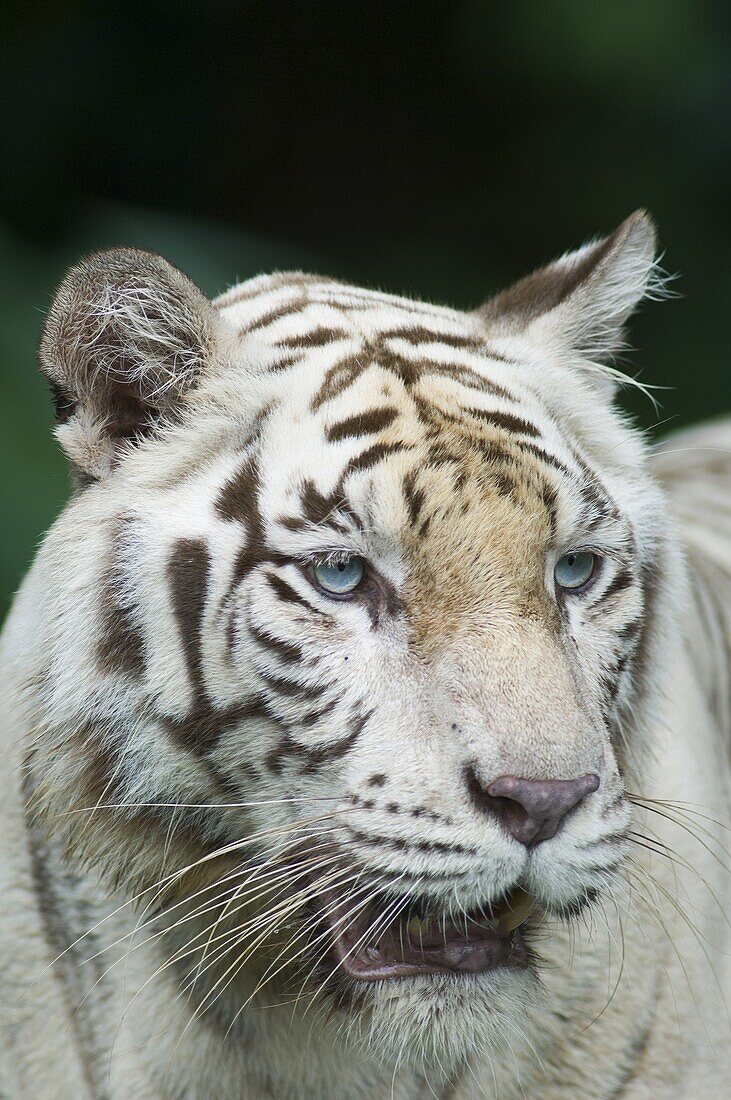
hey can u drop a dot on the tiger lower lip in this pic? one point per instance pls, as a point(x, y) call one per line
point(411, 945)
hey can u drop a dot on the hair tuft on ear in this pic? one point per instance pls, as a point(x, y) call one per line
point(126, 336)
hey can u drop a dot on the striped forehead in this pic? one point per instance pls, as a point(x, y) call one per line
point(380, 465)
point(287, 306)
point(365, 381)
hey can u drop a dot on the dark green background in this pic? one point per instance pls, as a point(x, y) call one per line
point(440, 149)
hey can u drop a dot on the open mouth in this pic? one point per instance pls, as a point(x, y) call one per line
point(415, 943)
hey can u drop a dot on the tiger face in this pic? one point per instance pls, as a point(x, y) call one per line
point(353, 613)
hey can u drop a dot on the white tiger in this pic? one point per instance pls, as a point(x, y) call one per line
point(366, 711)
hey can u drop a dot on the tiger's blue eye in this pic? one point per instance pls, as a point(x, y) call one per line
point(575, 569)
point(339, 578)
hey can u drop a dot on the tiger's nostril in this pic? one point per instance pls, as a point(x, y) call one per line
point(531, 810)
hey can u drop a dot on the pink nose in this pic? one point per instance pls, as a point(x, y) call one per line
point(531, 810)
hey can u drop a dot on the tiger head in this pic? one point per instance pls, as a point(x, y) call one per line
point(358, 600)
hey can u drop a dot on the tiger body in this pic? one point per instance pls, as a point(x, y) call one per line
point(213, 767)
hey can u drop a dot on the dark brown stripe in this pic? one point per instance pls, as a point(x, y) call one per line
point(430, 815)
point(366, 423)
point(403, 878)
point(248, 558)
point(401, 844)
point(273, 282)
point(274, 315)
point(414, 497)
point(286, 651)
point(471, 379)
point(594, 490)
point(358, 298)
point(609, 684)
point(373, 455)
point(338, 378)
point(281, 686)
point(314, 757)
point(326, 754)
point(594, 502)
point(198, 731)
point(507, 421)
point(621, 580)
point(315, 716)
point(188, 574)
point(319, 509)
point(630, 630)
point(120, 647)
point(420, 334)
point(549, 459)
point(443, 848)
point(238, 500)
point(373, 839)
point(343, 374)
point(549, 496)
point(286, 592)
point(505, 484)
point(278, 756)
point(498, 453)
point(317, 338)
point(621, 667)
point(284, 364)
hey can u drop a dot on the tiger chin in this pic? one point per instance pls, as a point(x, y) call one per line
point(358, 708)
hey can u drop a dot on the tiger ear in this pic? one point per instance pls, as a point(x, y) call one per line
point(578, 304)
point(126, 336)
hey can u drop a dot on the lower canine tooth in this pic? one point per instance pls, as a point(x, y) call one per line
point(415, 928)
point(518, 908)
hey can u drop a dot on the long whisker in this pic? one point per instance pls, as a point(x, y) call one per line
point(326, 936)
point(304, 893)
point(621, 972)
point(166, 881)
point(196, 805)
point(188, 949)
point(669, 816)
point(693, 808)
point(636, 895)
point(289, 906)
point(689, 809)
point(201, 908)
point(657, 847)
point(263, 884)
point(351, 916)
point(697, 936)
point(283, 873)
point(382, 921)
point(654, 909)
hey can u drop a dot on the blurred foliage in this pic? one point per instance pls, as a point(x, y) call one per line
point(439, 148)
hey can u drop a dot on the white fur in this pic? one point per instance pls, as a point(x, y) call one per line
point(630, 999)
